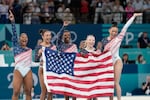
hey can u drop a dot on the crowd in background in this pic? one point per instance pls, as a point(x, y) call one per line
point(77, 11)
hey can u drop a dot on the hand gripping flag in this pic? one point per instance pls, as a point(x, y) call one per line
point(79, 76)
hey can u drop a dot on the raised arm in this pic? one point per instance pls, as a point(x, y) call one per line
point(114, 44)
point(60, 33)
point(129, 22)
point(14, 36)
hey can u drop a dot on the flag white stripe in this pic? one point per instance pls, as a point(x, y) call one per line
point(80, 85)
point(93, 58)
point(93, 71)
point(91, 64)
point(87, 78)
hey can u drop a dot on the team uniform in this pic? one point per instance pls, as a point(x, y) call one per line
point(62, 46)
point(114, 44)
point(39, 58)
point(22, 56)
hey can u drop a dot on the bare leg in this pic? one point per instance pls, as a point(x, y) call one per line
point(95, 99)
point(43, 87)
point(50, 96)
point(117, 74)
point(66, 97)
point(73, 98)
point(17, 83)
point(111, 98)
point(28, 83)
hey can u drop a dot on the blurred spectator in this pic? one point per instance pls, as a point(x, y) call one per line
point(5, 46)
point(84, 10)
point(3, 12)
point(92, 7)
point(66, 2)
point(27, 12)
point(140, 59)
point(143, 41)
point(98, 10)
point(138, 6)
point(145, 89)
point(107, 12)
point(51, 6)
point(60, 11)
point(17, 10)
point(125, 59)
point(46, 15)
point(146, 86)
point(146, 11)
point(75, 6)
point(36, 14)
point(67, 15)
point(124, 3)
point(129, 10)
point(118, 12)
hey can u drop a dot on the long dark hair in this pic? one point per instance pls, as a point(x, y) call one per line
point(42, 31)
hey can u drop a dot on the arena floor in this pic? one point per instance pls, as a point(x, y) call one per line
point(123, 98)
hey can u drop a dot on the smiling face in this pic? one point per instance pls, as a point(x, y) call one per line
point(46, 36)
point(90, 41)
point(113, 31)
point(66, 37)
point(23, 39)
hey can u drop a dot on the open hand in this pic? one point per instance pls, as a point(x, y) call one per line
point(66, 23)
point(11, 16)
point(138, 14)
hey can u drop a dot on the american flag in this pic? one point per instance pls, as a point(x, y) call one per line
point(79, 76)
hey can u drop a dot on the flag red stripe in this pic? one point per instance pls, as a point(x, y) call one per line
point(96, 74)
point(91, 68)
point(92, 54)
point(80, 81)
point(81, 96)
point(96, 80)
point(80, 89)
point(93, 61)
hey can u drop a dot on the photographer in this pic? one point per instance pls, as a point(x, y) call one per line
point(146, 86)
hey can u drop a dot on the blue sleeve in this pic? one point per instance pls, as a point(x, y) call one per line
point(59, 37)
point(14, 36)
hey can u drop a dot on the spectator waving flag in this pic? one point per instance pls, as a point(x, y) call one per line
point(80, 76)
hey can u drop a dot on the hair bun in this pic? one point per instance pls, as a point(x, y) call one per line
point(114, 24)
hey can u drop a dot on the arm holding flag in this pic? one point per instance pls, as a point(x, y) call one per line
point(73, 75)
